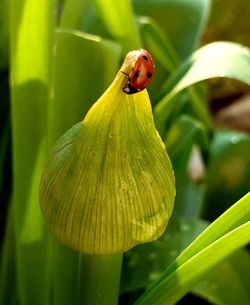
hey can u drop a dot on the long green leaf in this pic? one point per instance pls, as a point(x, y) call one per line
point(162, 50)
point(73, 10)
point(232, 290)
point(172, 287)
point(4, 33)
point(4, 150)
point(8, 284)
point(186, 131)
point(31, 31)
point(117, 16)
point(218, 59)
point(143, 265)
point(159, 43)
point(94, 62)
point(237, 215)
point(182, 21)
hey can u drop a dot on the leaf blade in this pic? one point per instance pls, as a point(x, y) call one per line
point(208, 62)
point(235, 220)
point(174, 286)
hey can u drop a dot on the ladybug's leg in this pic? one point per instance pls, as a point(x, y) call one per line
point(129, 89)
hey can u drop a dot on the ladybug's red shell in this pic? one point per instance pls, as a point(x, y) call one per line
point(141, 74)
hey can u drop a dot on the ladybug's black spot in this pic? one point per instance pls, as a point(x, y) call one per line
point(145, 57)
point(137, 73)
point(149, 75)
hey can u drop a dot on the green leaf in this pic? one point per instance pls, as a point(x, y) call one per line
point(72, 12)
point(94, 62)
point(144, 264)
point(8, 283)
point(165, 57)
point(182, 21)
point(4, 33)
point(183, 134)
point(199, 255)
point(171, 288)
point(185, 139)
point(159, 43)
point(125, 178)
point(31, 57)
point(218, 59)
point(235, 216)
point(162, 51)
point(117, 17)
point(4, 150)
point(228, 171)
point(228, 284)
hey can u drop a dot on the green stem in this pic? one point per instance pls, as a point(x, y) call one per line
point(100, 279)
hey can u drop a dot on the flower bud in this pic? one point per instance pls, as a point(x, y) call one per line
point(108, 184)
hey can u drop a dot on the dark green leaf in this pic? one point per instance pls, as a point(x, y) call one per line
point(182, 21)
point(144, 264)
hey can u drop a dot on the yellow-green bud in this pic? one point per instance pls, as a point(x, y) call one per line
point(108, 184)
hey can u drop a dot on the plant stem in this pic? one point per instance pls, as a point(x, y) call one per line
point(100, 279)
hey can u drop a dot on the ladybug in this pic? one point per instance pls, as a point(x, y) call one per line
point(141, 74)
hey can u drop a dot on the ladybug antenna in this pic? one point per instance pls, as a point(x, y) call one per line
point(124, 72)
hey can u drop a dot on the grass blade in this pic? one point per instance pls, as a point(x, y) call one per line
point(159, 42)
point(31, 56)
point(184, 22)
point(172, 287)
point(117, 16)
point(93, 62)
point(237, 215)
point(73, 10)
point(233, 290)
point(4, 34)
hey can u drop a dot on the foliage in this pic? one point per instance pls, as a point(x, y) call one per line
point(58, 69)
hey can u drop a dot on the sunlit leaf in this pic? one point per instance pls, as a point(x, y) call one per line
point(197, 259)
point(171, 288)
point(144, 264)
point(117, 17)
point(73, 10)
point(31, 58)
point(228, 284)
point(218, 59)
